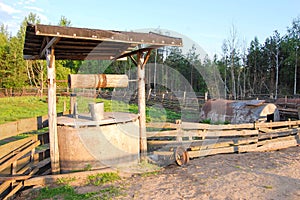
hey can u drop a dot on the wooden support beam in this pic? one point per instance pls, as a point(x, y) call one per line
point(141, 62)
point(50, 44)
point(54, 152)
point(133, 60)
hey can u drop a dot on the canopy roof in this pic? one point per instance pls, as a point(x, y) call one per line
point(72, 43)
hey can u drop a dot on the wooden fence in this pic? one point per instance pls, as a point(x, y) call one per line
point(204, 139)
point(24, 152)
point(23, 157)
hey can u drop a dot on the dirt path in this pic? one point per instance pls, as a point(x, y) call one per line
point(268, 175)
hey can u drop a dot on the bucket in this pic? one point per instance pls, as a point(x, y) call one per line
point(97, 111)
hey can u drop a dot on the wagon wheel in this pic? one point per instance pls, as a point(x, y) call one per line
point(181, 156)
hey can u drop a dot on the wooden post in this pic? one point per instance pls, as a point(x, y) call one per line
point(141, 62)
point(72, 103)
point(149, 94)
point(205, 96)
point(52, 114)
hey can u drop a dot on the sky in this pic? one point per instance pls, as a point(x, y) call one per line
point(206, 22)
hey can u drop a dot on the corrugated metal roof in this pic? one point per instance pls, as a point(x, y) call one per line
point(72, 43)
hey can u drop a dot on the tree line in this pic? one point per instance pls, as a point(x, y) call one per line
point(241, 71)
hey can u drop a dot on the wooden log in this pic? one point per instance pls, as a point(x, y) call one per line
point(277, 124)
point(54, 152)
point(203, 144)
point(141, 62)
point(207, 152)
point(195, 126)
point(204, 134)
point(163, 125)
point(276, 144)
point(97, 80)
point(276, 134)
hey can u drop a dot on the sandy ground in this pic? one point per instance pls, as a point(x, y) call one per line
point(268, 175)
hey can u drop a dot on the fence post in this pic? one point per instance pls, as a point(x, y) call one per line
point(149, 93)
point(205, 96)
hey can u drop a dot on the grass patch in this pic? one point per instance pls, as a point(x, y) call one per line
point(146, 174)
point(65, 192)
point(15, 108)
point(110, 192)
point(103, 178)
point(268, 187)
point(65, 181)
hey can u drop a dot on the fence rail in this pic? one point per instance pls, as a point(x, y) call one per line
point(205, 139)
point(24, 155)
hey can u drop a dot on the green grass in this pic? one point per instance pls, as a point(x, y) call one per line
point(103, 178)
point(67, 192)
point(15, 108)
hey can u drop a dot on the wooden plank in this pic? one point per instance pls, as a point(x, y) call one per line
point(280, 139)
point(97, 81)
point(279, 143)
point(202, 144)
point(8, 148)
point(163, 125)
point(19, 155)
point(27, 125)
point(14, 191)
point(195, 126)
point(53, 41)
point(173, 133)
point(247, 148)
point(206, 152)
point(204, 134)
point(4, 186)
point(277, 124)
point(8, 130)
point(276, 134)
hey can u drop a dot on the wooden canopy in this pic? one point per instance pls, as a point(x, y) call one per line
point(89, 44)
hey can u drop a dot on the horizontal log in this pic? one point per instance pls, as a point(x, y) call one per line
point(277, 124)
point(203, 134)
point(195, 126)
point(207, 152)
point(97, 80)
point(276, 144)
point(202, 144)
point(163, 125)
point(276, 134)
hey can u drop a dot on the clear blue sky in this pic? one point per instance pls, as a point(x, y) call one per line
point(207, 22)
